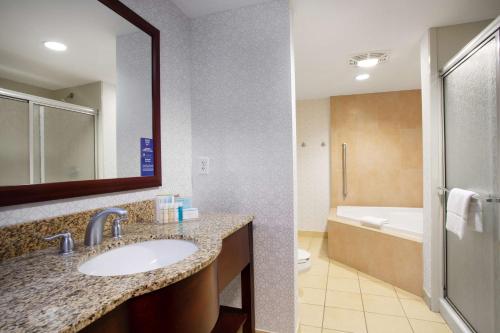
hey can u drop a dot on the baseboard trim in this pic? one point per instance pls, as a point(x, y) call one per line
point(262, 331)
point(427, 299)
point(311, 233)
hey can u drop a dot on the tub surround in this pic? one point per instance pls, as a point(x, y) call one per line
point(392, 257)
point(309, 233)
point(383, 132)
point(44, 292)
point(27, 237)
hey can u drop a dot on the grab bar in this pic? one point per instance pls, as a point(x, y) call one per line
point(487, 197)
point(344, 170)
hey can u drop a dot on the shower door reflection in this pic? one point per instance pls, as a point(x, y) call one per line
point(14, 142)
point(42, 143)
point(67, 145)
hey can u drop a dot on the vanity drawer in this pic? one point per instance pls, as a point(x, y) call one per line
point(234, 257)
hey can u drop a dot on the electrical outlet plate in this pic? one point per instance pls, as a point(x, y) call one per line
point(204, 165)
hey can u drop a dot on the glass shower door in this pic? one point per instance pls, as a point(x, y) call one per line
point(471, 162)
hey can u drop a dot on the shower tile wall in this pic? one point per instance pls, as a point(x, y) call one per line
point(383, 132)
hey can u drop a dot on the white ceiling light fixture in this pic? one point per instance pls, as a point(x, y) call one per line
point(369, 59)
point(370, 62)
point(362, 77)
point(55, 46)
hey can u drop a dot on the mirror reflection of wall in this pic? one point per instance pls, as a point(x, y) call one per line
point(133, 61)
point(77, 113)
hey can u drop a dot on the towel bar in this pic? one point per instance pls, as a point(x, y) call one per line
point(488, 197)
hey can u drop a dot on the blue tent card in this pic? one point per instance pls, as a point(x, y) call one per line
point(147, 157)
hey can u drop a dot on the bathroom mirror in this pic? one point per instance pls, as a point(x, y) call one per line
point(79, 100)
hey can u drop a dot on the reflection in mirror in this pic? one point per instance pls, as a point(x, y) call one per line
point(75, 93)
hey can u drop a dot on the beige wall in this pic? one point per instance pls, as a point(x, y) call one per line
point(313, 163)
point(88, 95)
point(25, 88)
point(383, 132)
point(452, 38)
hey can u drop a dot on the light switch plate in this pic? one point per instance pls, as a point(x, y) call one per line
point(203, 165)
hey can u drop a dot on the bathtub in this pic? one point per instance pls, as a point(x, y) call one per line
point(391, 253)
point(400, 220)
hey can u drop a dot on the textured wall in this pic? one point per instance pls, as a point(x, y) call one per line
point(383, 132)
point(133, 102)
point(242, 119)
point(176, 120)
point(313, 163)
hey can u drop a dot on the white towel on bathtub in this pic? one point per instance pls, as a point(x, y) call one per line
point(373, 221)
point(460, 209)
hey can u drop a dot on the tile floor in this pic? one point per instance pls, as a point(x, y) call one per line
point(335, 298)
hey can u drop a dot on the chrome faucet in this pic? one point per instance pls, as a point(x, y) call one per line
point(66, 245)
point(95, 228)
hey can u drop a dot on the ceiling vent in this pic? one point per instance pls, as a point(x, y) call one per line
point(382, 57)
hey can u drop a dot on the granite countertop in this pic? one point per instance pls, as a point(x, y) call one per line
point(44, 292)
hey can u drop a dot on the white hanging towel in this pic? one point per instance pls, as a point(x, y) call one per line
point(373, 221)
point(475, 220)
point(460, 207)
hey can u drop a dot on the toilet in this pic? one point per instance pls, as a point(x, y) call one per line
point(303, 260)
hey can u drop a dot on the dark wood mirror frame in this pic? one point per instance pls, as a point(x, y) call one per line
point(13, 195)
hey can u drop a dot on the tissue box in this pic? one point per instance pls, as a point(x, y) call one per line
point(188, 214)
point(186, 202)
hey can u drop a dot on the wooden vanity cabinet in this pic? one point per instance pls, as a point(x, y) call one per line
point(192, 304)
point(236, 258)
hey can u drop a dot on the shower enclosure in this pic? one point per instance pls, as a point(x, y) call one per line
point(43, 140)
point(471, 98)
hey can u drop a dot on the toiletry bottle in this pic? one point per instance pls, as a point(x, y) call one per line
point(160, 209)
point(180, 212)
point(164, 214)
point(171, 213)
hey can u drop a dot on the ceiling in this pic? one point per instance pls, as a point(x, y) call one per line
point(328, 32)
point(88, 28)
point(196, 8)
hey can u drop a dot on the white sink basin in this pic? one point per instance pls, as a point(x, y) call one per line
point(138, 257)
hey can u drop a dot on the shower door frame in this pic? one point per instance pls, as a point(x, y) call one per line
point(491, 32)
point(42, 102)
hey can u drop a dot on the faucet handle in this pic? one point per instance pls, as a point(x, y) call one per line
point(116, 229)
point(66, 245)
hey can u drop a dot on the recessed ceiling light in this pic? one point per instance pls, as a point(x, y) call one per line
point(369, 59)
point(370, 62)
point(362, 77)
point(55, 46)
